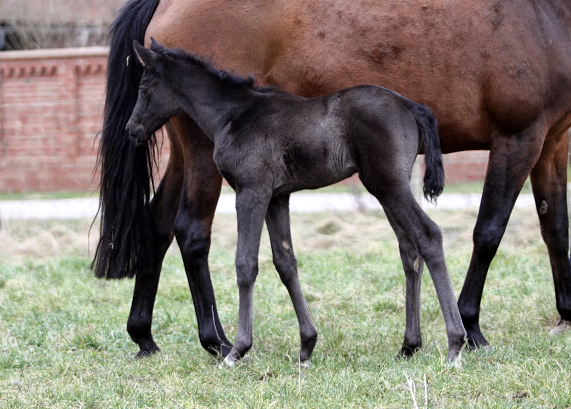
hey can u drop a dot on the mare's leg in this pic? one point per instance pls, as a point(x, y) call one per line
point(413, 264)
point(251, 207)
point(162, 211)
point(277, 220)
point(549, 183)
point(397, 199)
point(193, 226)
point(511, 159)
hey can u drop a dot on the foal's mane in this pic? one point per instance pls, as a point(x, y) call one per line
point(204, 63)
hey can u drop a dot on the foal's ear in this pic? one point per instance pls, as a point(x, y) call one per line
point(145, 56)
point(155, 46)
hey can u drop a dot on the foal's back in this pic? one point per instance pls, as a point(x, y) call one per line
point(307, 143)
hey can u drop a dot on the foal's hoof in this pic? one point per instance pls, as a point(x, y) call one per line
point(232, 359)
point(228, 363)
point(562, 326)
point(454, 359)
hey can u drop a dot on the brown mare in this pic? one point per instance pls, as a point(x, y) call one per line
point(496, 73)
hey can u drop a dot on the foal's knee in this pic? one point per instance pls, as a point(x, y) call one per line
point(246, 270)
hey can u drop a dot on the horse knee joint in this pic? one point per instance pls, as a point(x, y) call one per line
point(487, 239)
point(191, 238)
point(197, 247)
point(470, 315)
point(246, 271)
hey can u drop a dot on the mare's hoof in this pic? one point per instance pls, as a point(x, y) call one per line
point(476, 340)
point(407, 352)
point(147, 352)
point(562, 326)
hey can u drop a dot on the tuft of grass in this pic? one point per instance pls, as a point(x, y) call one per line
point(63, 341)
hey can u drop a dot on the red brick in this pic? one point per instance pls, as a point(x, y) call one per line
point(51, 110)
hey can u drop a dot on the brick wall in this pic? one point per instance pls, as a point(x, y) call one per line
point(51, 104)
point(50, 110)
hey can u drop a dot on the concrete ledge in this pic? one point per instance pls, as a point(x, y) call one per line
point(54, 53)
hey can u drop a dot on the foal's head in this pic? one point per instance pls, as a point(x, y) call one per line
point(156, 101)
point(172, 79)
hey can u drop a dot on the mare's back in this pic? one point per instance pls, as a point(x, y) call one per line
point(471, 62)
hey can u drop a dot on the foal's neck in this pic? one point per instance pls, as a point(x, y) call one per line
point(211, 103)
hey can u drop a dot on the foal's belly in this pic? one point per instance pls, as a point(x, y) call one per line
point(317, 162)
point(312, 181)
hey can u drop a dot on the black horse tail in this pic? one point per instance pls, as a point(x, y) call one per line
point(434, 169)
point(126, 170)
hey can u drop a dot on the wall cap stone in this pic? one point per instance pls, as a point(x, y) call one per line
point(54, 53)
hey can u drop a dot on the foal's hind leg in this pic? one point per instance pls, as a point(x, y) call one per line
point(426, 236)
point(397, 199)
point(278, 222)
point(549, 183)
point(413, 264)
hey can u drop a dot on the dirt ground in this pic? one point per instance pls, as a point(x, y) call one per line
point(357, 231)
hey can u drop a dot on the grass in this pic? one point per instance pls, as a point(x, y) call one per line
point(64, 344)
point(45, 195)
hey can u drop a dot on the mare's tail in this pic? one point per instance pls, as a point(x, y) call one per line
point(126, 170)
point(428, 129)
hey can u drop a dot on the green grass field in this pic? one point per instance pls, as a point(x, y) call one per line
point(64, 344)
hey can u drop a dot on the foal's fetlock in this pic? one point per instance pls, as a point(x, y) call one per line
point(307, 345)
point(231, 359)
point(455, 350)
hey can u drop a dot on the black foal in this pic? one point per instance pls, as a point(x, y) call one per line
point(268, 144)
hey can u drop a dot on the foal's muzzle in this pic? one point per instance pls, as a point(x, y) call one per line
point(137, 133)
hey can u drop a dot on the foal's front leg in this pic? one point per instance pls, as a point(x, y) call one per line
point(251, 206)
point(278, 222)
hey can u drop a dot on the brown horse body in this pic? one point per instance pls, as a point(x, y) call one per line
point(496, 74)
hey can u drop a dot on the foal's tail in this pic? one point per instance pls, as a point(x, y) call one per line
point(126, 170)
point(428, 130)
